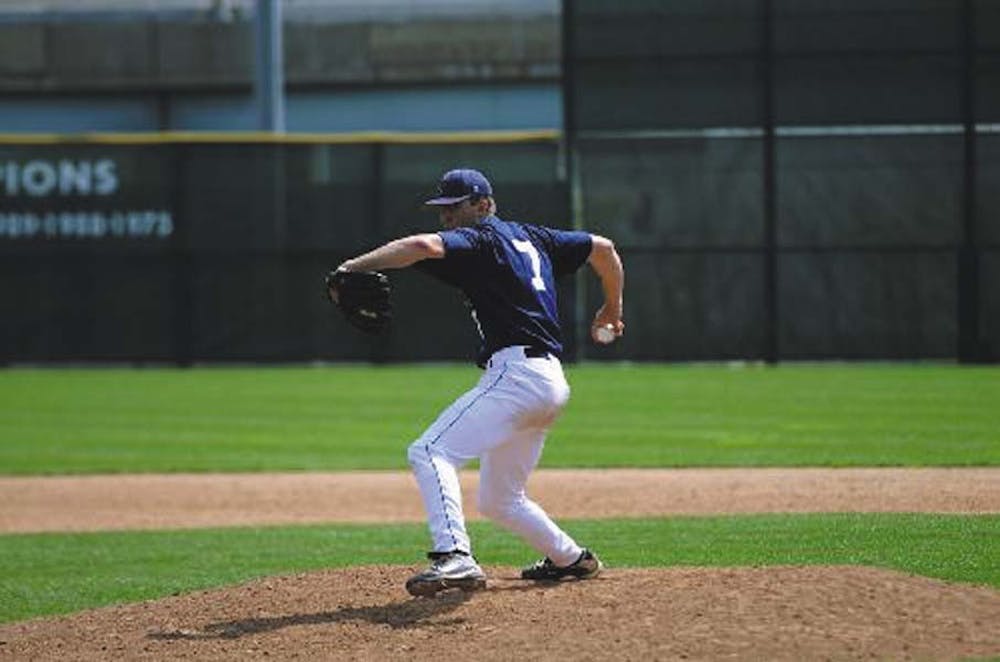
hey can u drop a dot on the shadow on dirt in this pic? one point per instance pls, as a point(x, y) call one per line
point(414, 613)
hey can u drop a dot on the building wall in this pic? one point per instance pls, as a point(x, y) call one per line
point(140, 73)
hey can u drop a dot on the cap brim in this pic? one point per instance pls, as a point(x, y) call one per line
point(446, 201)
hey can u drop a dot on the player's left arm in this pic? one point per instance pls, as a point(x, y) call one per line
point(398, 254)
point(607, 264)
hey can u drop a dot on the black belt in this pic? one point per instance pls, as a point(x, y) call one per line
point(529, 353)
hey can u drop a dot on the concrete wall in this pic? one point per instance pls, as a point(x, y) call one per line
point(163, 56)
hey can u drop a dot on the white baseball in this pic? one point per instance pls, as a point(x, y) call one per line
point(604, 334)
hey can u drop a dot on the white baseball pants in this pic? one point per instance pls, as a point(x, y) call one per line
point(503, 422)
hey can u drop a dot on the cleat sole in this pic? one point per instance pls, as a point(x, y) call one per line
point(429, 588)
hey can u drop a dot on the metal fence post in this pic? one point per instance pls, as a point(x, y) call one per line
point(269, 74)
point(771, 310)
point(970, 348)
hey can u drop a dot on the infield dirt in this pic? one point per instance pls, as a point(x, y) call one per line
point(772, 613)
point(95, 503)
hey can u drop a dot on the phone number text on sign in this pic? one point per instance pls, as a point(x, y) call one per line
point(133, 224)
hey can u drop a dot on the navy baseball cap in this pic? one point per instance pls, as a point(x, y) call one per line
point(458, 185)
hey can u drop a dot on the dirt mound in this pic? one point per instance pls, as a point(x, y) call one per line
point(775, 613)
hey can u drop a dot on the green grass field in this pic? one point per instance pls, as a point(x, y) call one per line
point(339, 418)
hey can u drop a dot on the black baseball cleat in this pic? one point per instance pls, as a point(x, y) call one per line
point(587, 566)
point(447, 570)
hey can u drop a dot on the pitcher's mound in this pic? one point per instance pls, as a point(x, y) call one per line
point(773, 613)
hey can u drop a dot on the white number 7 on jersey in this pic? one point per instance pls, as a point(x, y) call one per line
point(529, 249)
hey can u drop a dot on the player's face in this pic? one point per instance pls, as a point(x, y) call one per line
point(459, 214)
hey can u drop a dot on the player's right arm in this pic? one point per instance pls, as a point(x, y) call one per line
point(398, 253)
point(607, 264)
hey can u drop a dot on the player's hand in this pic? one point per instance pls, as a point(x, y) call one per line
point(607, 320)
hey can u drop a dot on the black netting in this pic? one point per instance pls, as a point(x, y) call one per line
point(870, 190)
point(683, 306)
point(87, 308)
point(826, 138)
point(331, 197)
point(867, 305)
point(209, 252)
point(230, 197)
point(642, 65)
point(856, 61)
point(674, 193)
point(986, 15)
point(652, 28)
point(866, 26)
point(987, 81)
point(649, 94)
point(988, 190)
point(868, 89)
point(989, 323)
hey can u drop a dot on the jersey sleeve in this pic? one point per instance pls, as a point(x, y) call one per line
point(459, 245)
point(459, 242)
point(568, 249)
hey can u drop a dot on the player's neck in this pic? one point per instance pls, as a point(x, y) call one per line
point(475, 220)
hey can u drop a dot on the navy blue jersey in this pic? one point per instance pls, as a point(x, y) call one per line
point(508, 272)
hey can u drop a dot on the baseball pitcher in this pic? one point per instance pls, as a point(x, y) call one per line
point(508, 273)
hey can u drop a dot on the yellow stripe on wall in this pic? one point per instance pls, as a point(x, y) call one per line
point(262, 137)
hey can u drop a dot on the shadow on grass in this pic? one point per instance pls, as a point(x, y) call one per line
point(414, 613)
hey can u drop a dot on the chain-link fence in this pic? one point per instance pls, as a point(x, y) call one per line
point(789, 179)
